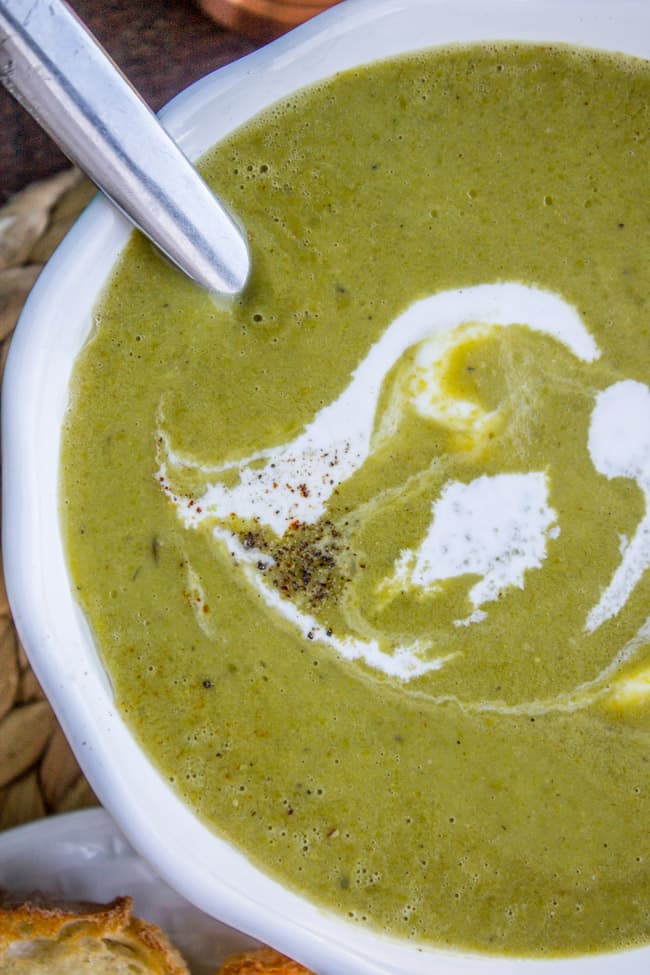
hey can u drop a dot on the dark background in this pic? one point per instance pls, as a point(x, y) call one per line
point(161, 45)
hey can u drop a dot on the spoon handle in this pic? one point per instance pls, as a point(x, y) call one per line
point(52, 65)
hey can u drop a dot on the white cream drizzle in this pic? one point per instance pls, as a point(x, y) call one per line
point(619, 444)
point(298, 478)
point(494, 527)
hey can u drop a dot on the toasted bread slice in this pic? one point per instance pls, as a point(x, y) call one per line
point(262, 961)
point(105, 939)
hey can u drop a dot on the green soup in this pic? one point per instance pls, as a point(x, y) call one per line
point(366, 552)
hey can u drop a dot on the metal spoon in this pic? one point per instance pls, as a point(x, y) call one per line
point(52, 64)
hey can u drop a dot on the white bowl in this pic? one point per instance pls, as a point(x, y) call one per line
point(52, 330)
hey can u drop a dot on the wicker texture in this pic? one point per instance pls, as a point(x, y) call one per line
point(38, 772)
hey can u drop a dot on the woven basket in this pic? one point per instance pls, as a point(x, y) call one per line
point(38, 772)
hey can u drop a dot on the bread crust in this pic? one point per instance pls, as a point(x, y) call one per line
point(39, 924)
point(262, 961)
point(31, 923)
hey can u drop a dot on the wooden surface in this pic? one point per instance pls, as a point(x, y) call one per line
point(161, 45)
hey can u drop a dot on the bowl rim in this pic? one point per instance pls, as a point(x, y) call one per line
point(54, 324)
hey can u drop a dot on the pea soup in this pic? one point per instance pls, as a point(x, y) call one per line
point(366, 551)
